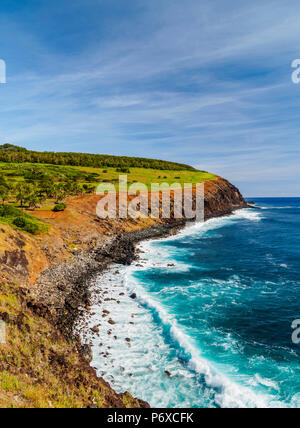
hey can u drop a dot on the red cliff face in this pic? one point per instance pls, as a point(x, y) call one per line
point(222, 198)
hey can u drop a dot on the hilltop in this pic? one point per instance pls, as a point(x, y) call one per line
point(11, 148)
point(15, 154)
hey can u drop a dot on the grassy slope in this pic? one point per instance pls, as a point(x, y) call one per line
point(13, 173)
point(8, 215)
point(40, 369)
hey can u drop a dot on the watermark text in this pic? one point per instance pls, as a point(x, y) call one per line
point(296, 72)
point(2, 332)
point(157, 200)
point(2, 71)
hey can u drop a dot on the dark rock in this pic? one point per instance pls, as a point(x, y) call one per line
point(86, 351)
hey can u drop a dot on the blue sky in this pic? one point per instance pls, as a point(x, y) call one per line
point(202, 82)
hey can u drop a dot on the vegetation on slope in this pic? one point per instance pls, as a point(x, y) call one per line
point(33, 186)
point(15, 154)
point(11, 148)
point(40, 369)
point(21, 220)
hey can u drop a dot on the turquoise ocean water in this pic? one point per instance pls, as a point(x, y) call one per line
point(219, 320)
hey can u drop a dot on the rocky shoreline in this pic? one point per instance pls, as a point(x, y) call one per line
point(71, 296)
point(65, 301)
point(100, 329)
point(58, 269)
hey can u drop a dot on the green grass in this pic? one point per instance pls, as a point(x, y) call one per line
point(15, 172)
point(12, 216)
point(87, 178)
point(39, 368)
point(28, 172)
point(150, 176)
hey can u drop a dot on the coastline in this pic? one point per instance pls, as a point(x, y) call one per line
point(65, 302)
point(60, 292)
point(72, 298)
point(119, 323)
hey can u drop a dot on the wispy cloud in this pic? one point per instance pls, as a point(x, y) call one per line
point(187, 81)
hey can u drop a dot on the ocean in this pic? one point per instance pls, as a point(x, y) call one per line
point(211, 322)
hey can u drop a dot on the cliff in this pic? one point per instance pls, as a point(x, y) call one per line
point(44, 282)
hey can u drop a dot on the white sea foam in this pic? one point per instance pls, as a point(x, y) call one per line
point(199, 228)
point(248, 214)
point(266, 382)
point(138, 366)
point(148, 354)
point(226, 392)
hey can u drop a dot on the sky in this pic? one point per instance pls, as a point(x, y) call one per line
point(204, 82)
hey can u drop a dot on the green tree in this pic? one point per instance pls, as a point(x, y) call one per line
point(23, 191)
point(33, 200)
point(59, 192)
point(4, 193)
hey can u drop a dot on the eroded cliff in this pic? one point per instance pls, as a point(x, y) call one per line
point(44, 280)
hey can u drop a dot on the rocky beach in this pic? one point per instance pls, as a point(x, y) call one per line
point(56, 272)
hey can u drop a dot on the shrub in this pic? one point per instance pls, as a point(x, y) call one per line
point(20, 222)
point(9, 211)
point(123, 170)
point(88, 189)
point(17, 218)
point(59, 207)
point(31, 228)
point(24, 224)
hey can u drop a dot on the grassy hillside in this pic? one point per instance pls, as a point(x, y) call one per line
point(40, 369)
point(15, 173)
point(37, 185)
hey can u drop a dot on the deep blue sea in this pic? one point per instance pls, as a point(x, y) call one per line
point(219, 320)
